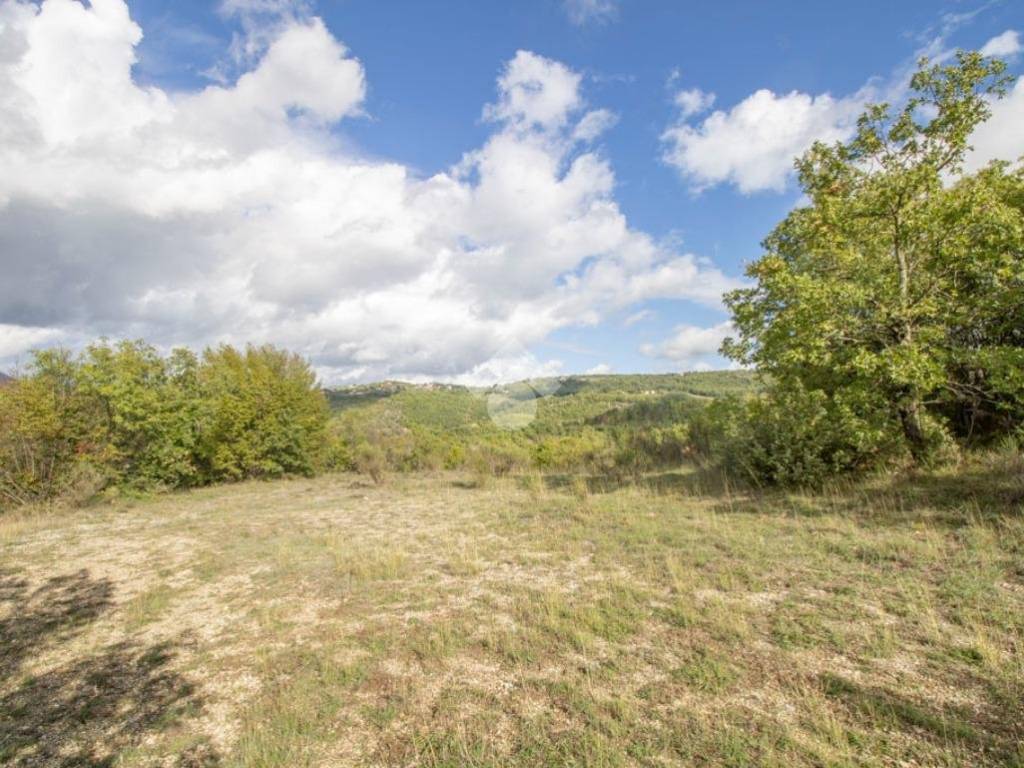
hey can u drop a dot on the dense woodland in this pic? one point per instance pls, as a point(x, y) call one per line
point(884, 330)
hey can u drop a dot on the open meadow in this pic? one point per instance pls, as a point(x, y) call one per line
point(536, 621)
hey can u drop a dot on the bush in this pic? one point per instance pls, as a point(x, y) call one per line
point(262, 414)
point(47, 430)
point(794, 437)
point(124, 415)
point(644, 450)
point(149, 407)
point(568, 452)
point(371, 460)
point(489, 460)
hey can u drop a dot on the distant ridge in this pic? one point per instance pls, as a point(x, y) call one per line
point(4, 378)
point(565, 404)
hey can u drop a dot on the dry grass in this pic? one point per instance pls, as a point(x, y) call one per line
point(531, 622)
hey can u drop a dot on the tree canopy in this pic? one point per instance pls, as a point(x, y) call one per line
point(897, 290)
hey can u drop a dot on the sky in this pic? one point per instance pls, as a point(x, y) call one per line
point(468, 191)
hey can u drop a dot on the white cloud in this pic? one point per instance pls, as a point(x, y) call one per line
point(504, 369)
point(753, 144)
point(15, 339)
point(690, 346)
point(600, 369)
point(1001, 137)
point(535, 92)
point(593, 124)
point(233, 213)
point(583, 12)
point(261, 22)
point(1004, 45)
point(693, 102)
point(638, 317)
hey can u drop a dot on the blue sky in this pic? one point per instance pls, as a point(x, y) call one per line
point(701, 108)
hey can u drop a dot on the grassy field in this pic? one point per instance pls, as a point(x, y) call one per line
point(539, 621)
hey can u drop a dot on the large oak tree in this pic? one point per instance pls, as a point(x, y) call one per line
point(902, 277)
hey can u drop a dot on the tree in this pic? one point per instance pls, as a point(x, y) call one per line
point(264, 414)
point(123, 415)
point(149, 405)
point(49, 432)
point(901, 279)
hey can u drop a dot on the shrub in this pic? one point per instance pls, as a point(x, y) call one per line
point(792, 436)
point(339, 455)
point(570, 451)
point(371, 460)
point(125, 415)
point(148, 408)
point(262, 414)
point(431, 451)
point(644, 450)
point(47, 429)
point(488, 460)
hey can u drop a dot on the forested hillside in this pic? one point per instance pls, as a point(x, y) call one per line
point(599, 423)
point(563, 403)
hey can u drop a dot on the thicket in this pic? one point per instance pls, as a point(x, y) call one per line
point(124, 416)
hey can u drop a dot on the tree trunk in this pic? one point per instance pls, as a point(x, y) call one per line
point(910, 418)
point(910, 409)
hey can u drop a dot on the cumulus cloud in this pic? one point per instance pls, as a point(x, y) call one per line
point(1001, 137)
point(753, 144)
point(535, 92)
point(232, 213)
point(593, 124)
point(507, 368)
point(690, 346)
point(693, 101)
point(261, 21)
point(1004, 45)
point(583, 12)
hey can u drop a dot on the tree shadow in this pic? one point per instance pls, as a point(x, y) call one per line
point(953, 498)
point(945, 725)
point(985, 488)
point(687, 481)
point(46, 615)
point(90, 709)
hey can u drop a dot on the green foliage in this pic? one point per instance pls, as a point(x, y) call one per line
point(123, 415)
point(263, 414)
point(900, 286)
point(371, 460)
point(607, 424)
point(639, 450)
point(149, 412)
point(570, 451)
point(487, 460)
point(791, 436)
point(49, 431)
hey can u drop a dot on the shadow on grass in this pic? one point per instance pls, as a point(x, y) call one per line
point(90, 709)
point(983, 489)
point(683, 482)
point(884, 710)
